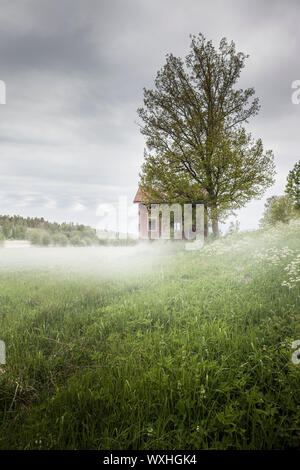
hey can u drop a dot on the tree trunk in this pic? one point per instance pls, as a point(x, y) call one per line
point(215, 227)
point(205, 222)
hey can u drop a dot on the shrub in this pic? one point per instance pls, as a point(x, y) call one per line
point(46, 239)
point(60, 239)
point(87, 241)
point(2, 237)
point(75, 240)
point(277, 209)
point(35, 238)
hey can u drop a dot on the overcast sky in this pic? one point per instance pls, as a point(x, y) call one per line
point(75, 72)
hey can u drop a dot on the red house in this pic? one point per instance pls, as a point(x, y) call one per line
point(150, 225)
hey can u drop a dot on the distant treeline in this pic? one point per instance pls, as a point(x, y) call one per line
point(41, 232)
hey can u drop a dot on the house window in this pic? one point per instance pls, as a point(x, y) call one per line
point(152, 224)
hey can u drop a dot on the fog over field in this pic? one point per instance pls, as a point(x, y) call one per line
point(135, 259)
point(96, 259)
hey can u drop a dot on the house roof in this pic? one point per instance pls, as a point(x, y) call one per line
point(140, 196)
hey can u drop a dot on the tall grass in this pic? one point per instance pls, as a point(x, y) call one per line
point(194, 353)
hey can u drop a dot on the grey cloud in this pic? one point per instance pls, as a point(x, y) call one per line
point(75, 71)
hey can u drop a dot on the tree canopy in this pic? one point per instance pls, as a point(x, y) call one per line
point(292, 188)
point(277, 209)
point(197, 149)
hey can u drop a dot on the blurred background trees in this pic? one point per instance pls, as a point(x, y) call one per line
point(292, 188)
point(40, 232)
point(285, 207)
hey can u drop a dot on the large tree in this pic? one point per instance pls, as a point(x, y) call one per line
point(292, 188)
point(197, 149)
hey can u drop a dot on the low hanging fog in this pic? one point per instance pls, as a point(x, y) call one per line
point(20, 255)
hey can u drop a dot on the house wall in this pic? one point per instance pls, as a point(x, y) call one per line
point(144, 233)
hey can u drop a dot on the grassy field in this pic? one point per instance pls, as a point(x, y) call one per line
point(192, 352)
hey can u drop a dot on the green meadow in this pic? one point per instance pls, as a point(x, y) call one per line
point(191, 351)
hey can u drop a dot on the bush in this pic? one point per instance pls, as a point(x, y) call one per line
point(35, 238)
point(75, 240)
point(46, 239)
point(277, 209)
point(60, 239)
point(2, 237)
point(88, 241)
point(19, 232)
